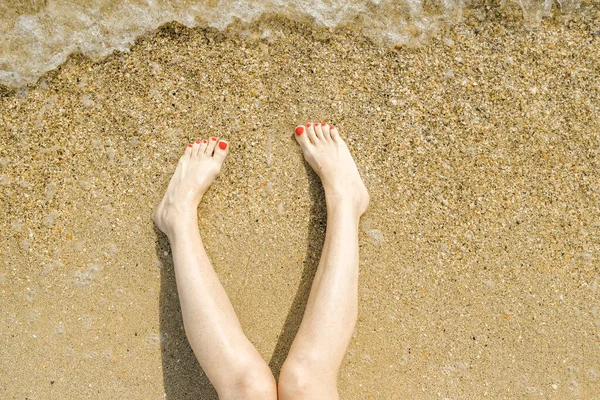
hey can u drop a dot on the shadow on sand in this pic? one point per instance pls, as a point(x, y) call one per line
point(183, 378)
point(316, 237)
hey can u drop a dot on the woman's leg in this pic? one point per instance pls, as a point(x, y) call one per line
point(229, 360)
point(311, 369)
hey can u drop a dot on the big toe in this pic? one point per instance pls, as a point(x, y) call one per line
point(302, 136)
point(221, 151)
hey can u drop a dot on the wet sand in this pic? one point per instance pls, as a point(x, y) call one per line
point(479, 253)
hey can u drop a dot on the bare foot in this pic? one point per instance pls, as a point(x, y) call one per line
point(328, 155)
point(197, 169)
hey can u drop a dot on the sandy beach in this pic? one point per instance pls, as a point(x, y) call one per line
point(479, 254)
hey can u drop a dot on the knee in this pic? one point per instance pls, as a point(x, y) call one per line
point(296, 380)
point(255, 383)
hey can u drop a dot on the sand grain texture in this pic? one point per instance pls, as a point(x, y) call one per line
point(479, 253)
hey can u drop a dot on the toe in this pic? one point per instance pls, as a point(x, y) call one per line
point(203, 147)
point(302, 136)
point(334, 133)
point(319, 131)
point(212, 142)
point(310, 132)
point(325, 129)
point(221, 151)
point(196, 148)
point(188, 150)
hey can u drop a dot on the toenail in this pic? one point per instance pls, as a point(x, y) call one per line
point(222, 145)
point(197, 141)
point(332, 127)
point(316, 124)
point(308, 125)
point(213, 138)
point(323, 124)
point(299, 130)
point(204, 141)
point(190, 145)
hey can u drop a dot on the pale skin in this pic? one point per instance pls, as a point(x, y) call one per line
point(230, 361)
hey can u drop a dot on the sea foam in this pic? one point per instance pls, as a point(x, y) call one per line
point(37, 36)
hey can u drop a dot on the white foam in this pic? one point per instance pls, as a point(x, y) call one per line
point(36, 39)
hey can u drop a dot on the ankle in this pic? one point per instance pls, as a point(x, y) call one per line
point(347, 204)
point(173, 221)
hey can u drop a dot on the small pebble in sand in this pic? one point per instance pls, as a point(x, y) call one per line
point(51, 266)
point(49, 219)
point(97, 144)
point(366, 358)
point(86, 100)
point(50, 190)
point(25, 185)
point(111, 250)
point(85, 277)
point(85, 185)
point(155, 68)
point(17, 226)
point(156, 338)
point(375, 236)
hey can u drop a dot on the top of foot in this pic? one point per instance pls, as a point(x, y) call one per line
point(196, 170)
point(328, 155)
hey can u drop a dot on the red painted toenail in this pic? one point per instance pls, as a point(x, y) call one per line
point(222, 145)
point(197, 141)
point(213, 138)
point(323, 124)
point(308, 125)
point(299, 130)
point(332, 127)
point(316, 124)
point(204, 141)
point(190, 145)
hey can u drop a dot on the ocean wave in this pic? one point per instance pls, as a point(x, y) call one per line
point(37, 36)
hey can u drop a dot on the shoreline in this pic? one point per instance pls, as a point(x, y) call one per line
point(479, 251)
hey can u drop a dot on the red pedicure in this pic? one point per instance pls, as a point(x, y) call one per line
point(299, 130)
point(213, 138)
point(308, 125)
point(198, 141)
point(204, 141)
point(323, 124)
point(331, 127)
point(316, 124)
point(190, 145)
point(222, 145)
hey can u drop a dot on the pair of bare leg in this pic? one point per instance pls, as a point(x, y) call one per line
point(230, 361)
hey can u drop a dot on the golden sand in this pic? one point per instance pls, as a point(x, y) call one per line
point(480, 252)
